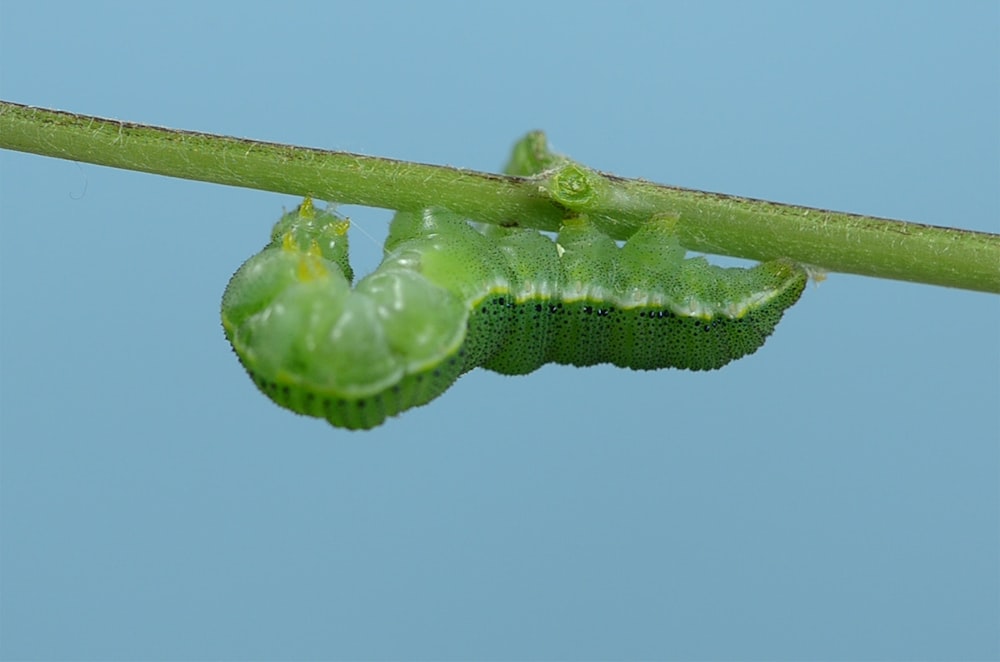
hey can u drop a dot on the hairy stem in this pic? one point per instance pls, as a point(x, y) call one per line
point(710, 222)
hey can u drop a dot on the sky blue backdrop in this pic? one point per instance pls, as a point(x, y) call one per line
point(834, 496)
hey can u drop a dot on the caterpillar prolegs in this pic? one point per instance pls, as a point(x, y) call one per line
point(449, 297)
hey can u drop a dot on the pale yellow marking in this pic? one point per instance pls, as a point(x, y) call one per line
point(340, 227)
point(311, 268)
point(306, 209)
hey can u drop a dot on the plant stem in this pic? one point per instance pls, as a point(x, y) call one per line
point(709, 222)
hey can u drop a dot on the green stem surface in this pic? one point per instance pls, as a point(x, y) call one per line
point(709, 222)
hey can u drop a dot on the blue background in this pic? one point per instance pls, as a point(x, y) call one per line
point(833, 496)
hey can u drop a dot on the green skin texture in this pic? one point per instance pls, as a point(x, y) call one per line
point(450, 297)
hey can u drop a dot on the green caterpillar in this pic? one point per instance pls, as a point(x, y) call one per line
point(449, 297)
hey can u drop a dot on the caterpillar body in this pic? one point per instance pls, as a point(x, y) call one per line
point(449, 297)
